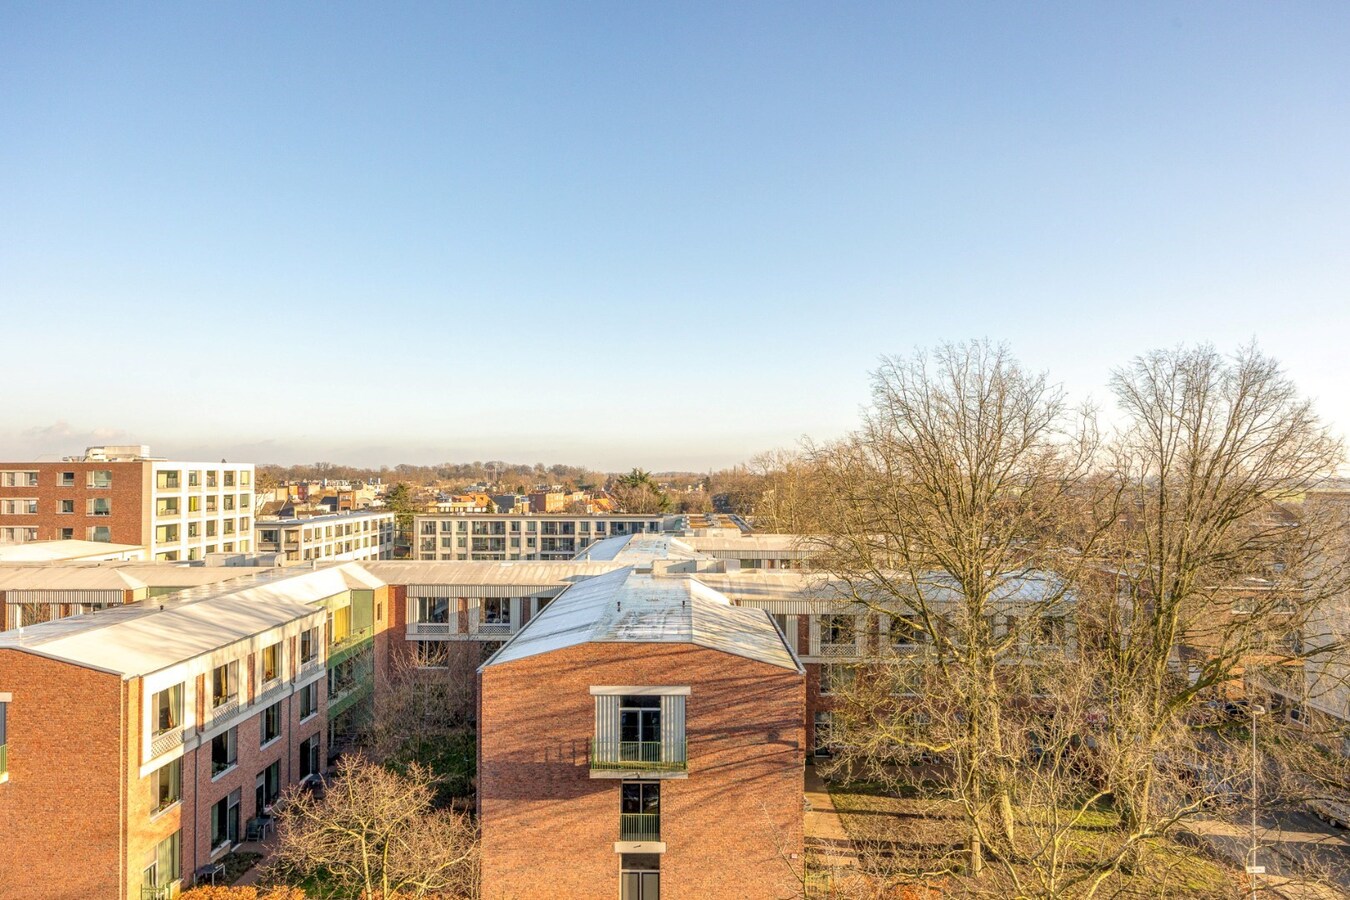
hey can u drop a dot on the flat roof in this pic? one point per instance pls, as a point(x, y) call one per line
point(143, 637)
point(261, 521)
point(113, 575)
point(626, 606)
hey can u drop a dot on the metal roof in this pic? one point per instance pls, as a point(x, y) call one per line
point(755, 546)
point(625, 606)
point(636, 549)
point(528, 576)
point(143, 637)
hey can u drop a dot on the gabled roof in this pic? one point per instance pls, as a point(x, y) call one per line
point(625, 606)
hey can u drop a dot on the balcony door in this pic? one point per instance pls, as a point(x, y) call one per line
point(640, 729)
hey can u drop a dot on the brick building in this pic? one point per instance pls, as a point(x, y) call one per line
point(176, 510)
point(658, 731)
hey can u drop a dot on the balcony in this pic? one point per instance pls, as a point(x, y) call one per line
point(164, 892)
point(639, 756)
point(830, 649)
point(495, 628)
point(639, 826)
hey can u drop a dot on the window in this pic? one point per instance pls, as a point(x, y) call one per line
point(22, 507)
point(98, 506)
point(824, 738)
point(227, 526)
point(224, 751)
point(194, 529)
point(837, 630)
point(229, 478)
point(194, 478)
point(834, 678)
point(211, 478)
point(98, 478)
point(225, 821)
point(309, 700)
point(66, 507)
point(98, 533)
point(268, 787)
point(167, 506)
point(67, 479)
point(245, 478)
point(271, 662)
point(906, 632)
point(162, 865)
point(271, 724)
point(640, 876)
point(18, 479)
point(210, 526)
point(67, 534)
point(167, 786)
point(309, 756)
point(4, 764)
point(224, 684)
point(166, 534)
point(168, 710)
point(309, 645)
point(640, 728)
point(640, 811)
point(229, 502)
point(496, 615)
point(167, 479)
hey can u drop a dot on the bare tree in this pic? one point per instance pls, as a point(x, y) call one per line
point(376, 834)
point(939, 512)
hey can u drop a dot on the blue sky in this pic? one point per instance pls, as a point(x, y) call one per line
point(638, 234)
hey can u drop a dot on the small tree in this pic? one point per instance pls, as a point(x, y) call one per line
point(376, 834)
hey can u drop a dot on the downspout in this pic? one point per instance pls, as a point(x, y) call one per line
point(123, 824)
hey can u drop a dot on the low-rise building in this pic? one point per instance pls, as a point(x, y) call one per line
point(555, 537)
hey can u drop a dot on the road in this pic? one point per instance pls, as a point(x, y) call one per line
point(1292, 846)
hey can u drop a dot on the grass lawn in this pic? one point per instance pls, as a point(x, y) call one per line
point(897, 837)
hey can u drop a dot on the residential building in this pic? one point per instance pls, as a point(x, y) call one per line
point(555, 537)
point(142, 742)
point(344, 537)
point(177, 510)
point(657, 729)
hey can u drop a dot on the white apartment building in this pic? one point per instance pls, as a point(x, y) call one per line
point(341, 537)
point(542, 536)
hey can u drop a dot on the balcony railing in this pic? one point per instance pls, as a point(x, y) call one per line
point(829, 649)
point(494, 628)
point(163, 892)
point(639, 826)
point(429, 628)
point(223, 711)
point(163, 743)
point(647, 756)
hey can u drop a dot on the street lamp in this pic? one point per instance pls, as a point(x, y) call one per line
point(1252, 868)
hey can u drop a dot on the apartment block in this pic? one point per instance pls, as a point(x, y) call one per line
point(344, 538)
point(551, 537)
point(177, 510)
point(658, 730)
point(141, 742)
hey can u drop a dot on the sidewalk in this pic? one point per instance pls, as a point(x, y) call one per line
point(827, 843)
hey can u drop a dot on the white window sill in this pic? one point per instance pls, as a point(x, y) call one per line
point(223, 772)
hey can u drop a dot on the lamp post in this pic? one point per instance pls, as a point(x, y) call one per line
point(1252, 868)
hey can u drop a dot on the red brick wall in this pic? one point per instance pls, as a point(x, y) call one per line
point(549, 829)
point(59, 810)
point(128, 494)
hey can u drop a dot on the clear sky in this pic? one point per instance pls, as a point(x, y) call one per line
point(617, 234)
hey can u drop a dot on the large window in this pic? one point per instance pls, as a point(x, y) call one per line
point(309, 756)
point(271, 724)
point(640, 811)
point(168, 709)
point(162, 867)
point(640, 728)
point(98, 506)
point(18, 479)
point(23, 507)
point(271, 662)
point(268, 786)
point(433, 610)
point(224, 751)
point(98, 533)
point(167, 785)
point(309, 645)
point(98, 478)
point(167, 479)
point(309, 700)
point(907, 632)
point(225, 821)
point(224, 684)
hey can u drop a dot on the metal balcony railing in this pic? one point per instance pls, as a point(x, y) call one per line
point(428, 628)
point(224, 710)
point(639, 826)
point(648, 756)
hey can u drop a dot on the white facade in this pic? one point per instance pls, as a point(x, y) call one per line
point(344, 537)
point(196, 508)
point(544, 536)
